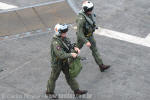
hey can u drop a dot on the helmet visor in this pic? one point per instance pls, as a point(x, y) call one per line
point(64, 30)
point(90, 9)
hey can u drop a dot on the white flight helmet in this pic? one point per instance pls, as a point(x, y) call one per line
point(87, 6)
point(59, 29)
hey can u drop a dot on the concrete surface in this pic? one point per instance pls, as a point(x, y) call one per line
point(127, 16)
point(26, 69)
point(10, 24)
point(35, 17)
point(25, 61)
point(24, 3)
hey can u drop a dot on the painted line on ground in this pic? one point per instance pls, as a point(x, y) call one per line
point(114, 34)
point(148, 38)
point(26, 34)
point(35, 5)
point(6, 6)
point(124, 37)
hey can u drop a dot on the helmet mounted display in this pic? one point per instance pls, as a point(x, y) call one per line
point(59, 29)
point(87, 6)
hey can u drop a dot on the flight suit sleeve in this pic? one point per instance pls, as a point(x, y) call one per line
point(60, 53)
point(80, 28)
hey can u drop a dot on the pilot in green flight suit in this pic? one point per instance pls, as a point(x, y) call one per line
point(59, 62)
point(86, 26)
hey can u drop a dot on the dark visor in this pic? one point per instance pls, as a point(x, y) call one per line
point(64, 31)
point(90, 9)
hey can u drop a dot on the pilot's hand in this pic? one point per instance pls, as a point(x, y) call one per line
point(77, 49)
point(74, 55)
point(88, 44)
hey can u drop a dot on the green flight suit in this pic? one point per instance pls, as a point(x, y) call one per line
point(59, 62)
point(85, 29)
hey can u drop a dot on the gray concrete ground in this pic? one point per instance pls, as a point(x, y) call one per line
point(26, 65)
point(128, 16)
point(23, 3)
point(27, 68)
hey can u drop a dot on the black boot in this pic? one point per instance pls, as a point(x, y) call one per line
point(104, 67)
point(80, 92)
point(51, 95)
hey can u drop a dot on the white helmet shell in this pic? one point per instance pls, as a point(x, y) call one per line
point(87, 6)
point(60, 29)
point(57, 27)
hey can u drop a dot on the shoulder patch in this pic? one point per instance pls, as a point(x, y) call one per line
point(58, 47)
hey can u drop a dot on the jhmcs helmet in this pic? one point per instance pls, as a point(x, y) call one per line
point(87, 6)
point(59, 29)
